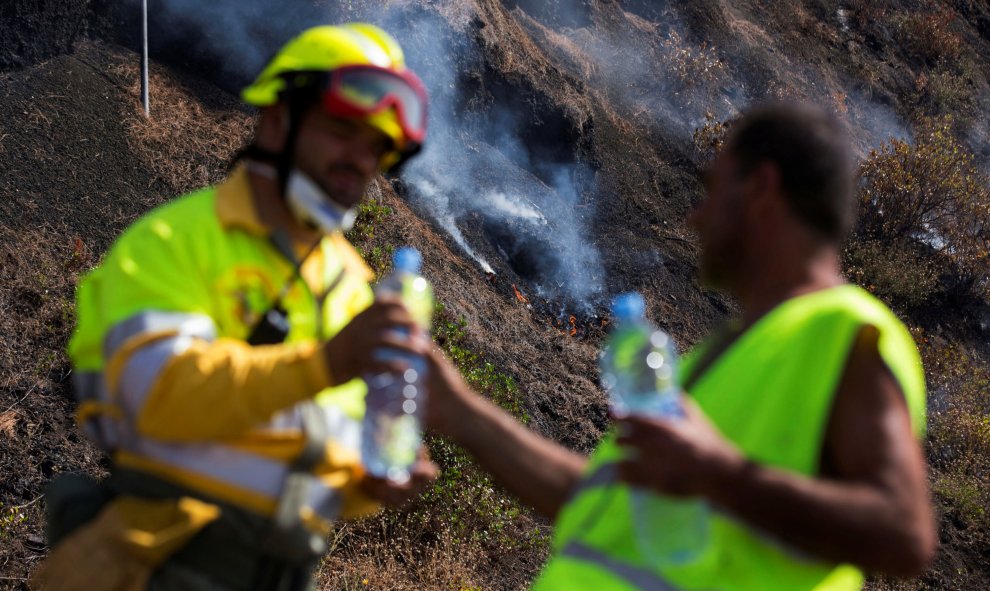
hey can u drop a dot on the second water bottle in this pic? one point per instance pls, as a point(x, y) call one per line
point(638, 372)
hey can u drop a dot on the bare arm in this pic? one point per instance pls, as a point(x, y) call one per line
point(871, 508)
point(539, 471)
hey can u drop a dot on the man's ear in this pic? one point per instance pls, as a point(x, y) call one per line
point(766, 179)
point(764, 185)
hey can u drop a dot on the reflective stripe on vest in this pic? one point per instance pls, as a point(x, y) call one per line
point(639, 577)
point(603, 475)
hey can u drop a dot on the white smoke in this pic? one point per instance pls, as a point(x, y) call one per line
point(475, 167)
point(652, 70)
point(476, 178)
point(512, 206)
point(439, 205)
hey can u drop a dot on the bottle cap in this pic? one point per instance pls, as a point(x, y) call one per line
point(628, 306)
point(407, 260)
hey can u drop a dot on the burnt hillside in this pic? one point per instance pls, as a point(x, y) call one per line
point(566, 143)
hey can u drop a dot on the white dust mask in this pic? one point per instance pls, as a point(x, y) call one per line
point(311, 205)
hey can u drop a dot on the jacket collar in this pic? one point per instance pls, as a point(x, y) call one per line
point(235, 206)
point(235, 209)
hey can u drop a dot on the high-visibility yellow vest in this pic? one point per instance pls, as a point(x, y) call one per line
point(201, 271)
point(771, 394)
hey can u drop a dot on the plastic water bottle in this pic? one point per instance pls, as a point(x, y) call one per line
point(638, 369)
point(392, 433)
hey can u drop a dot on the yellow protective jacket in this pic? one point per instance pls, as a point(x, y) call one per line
point(167, 382)
point(770, 393)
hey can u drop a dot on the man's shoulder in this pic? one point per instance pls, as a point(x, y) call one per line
point(846, 302)
point(188, 214)
point(190, 208)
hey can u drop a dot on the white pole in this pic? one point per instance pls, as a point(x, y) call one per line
point(144, 58)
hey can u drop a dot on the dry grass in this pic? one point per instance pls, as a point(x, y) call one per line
point(8, 423)
point(366, 559)
point(693, 66)
point(38, 438)
point(184, 142)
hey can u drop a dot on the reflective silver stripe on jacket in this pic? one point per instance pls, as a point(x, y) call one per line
point(325, 501)
point(248, 471)
point(141, 370)
point(342, 428)
point(90, 387)
point(185, 323)
point(236, 468)
point(640, 578)
point(216, 462)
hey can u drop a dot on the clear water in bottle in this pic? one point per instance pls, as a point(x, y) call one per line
point(392, 430)
point(639, 374)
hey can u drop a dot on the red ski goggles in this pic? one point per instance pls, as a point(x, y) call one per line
point(364, 90)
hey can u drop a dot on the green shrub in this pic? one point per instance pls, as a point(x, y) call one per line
point(944, 91)
point(959, 430)
point(892, 274)
point(922, 207)
point(927, 34)
point(375, 252)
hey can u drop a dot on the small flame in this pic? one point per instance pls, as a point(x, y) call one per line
point(519, 295)
point(78, 248)
point(573, 321)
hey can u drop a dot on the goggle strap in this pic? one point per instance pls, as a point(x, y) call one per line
point(412, 148)
point(302, 88)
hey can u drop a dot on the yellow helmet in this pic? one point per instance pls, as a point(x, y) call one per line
point(394, 101)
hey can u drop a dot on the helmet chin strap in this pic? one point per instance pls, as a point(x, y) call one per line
point(298, 102)
point(308, 203)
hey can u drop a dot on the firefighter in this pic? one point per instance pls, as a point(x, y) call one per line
point(220, 344)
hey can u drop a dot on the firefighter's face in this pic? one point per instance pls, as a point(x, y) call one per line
point(340, 155)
